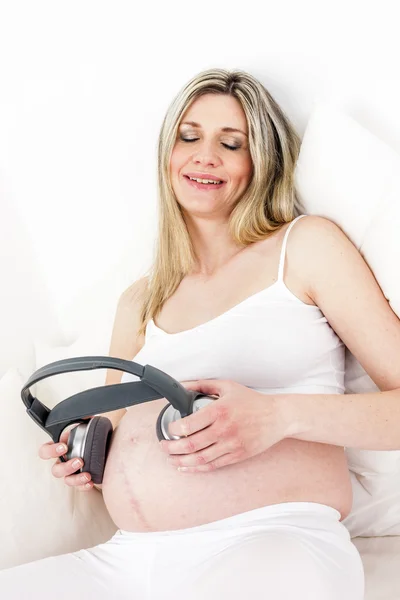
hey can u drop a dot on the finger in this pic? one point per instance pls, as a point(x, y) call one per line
point(221, 461)
point(194, 422)
point(85, 488)
point(207, 386)
point(52, 450)
point(78, 480)
point(208, 454)
point(188, 383)
point(193, 443)
point(62, 469)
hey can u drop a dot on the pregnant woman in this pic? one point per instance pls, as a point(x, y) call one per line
point(253, 302)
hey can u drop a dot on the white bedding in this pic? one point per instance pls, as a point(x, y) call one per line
point(347, 174)
point(381, 559)
point(344, 174)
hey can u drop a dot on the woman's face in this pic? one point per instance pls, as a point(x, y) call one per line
point(211, 143)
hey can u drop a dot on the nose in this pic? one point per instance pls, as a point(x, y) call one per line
point(205, 154)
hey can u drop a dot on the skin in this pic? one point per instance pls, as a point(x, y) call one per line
point(49, 450)
point(206, 213)
point(324, 268)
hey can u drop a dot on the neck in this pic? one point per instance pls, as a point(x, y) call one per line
point(213, 246)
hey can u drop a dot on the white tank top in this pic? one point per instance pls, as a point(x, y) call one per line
point(271, 342)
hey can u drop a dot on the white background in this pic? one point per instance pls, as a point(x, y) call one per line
point(84, 87)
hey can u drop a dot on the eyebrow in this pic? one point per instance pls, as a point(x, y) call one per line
point(229, 129)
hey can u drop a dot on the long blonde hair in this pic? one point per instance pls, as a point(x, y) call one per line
point(268, 203)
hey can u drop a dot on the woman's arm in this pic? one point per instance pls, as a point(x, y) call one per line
point(125, 342)
point(342, 285)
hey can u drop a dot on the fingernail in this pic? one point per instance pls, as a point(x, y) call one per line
point(61, 448)
point(77, 463)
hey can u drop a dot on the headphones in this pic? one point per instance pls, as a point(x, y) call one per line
point(91, 438)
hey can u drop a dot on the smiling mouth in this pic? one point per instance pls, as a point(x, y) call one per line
point(203, 184)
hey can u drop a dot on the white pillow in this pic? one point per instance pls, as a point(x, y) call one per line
point(348, 175)
point(34, 505)
point(376, 505)
point(59, 387)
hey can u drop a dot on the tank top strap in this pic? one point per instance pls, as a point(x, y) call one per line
point(283, 249)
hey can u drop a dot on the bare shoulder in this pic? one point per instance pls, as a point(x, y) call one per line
point(316, 244)
point(342, 284)
point(125, 341)
point(323, 257)
point(314, 229)
point(127, 318)
point(134, 293)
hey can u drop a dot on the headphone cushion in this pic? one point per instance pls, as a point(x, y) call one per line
point(96, 447)
point(159, 432)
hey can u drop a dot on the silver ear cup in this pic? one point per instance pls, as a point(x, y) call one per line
point(76, 442)
point(171, 415)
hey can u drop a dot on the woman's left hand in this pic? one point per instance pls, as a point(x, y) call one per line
point(238, 425)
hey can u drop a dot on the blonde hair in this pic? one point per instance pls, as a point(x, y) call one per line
point(268, 203)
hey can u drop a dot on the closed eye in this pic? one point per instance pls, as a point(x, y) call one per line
point(225, 145)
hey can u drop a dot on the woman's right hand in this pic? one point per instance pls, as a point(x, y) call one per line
point(82, 481)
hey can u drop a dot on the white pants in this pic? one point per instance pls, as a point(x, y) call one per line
point(288, 551)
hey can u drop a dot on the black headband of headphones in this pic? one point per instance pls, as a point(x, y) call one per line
point(78, 408)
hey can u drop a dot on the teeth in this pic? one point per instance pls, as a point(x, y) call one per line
point(204, 180)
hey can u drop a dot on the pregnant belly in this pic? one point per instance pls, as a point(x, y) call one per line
point(142, 492)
